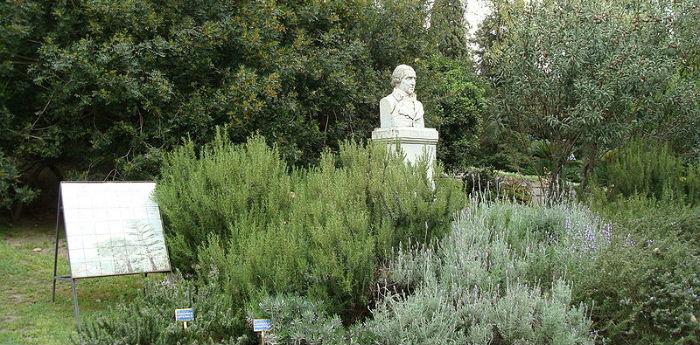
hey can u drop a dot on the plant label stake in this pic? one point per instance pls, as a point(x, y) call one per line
point(184, 315)
point(262, 326)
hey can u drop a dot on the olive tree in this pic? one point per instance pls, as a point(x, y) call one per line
point(582, 76)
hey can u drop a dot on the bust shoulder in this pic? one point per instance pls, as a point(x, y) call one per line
point(386, 106)
point(389, 99)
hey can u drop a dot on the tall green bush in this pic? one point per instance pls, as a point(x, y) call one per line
point(650, 169)
point(321, 232)
point(644, 291)
point(456, 100)
point(644, 288)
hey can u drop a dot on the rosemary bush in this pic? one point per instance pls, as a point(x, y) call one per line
point(652, 170)
point(645, 287)
point(320, 232)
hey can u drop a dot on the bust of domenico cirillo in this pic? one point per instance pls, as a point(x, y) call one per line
point(401, 108)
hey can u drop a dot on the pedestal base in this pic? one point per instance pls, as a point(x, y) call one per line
point(415, 143)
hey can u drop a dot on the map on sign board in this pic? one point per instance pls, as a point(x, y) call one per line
point(113, 228)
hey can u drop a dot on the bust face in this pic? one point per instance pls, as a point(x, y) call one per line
point(408, 82)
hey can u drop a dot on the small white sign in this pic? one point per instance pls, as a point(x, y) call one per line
point(185, 314)
point(262, 325)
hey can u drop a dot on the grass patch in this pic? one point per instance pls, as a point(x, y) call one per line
point(27, 315)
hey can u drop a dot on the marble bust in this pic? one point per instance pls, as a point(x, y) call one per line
point(401, 108)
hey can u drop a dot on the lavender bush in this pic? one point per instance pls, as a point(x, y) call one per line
point(477, 285)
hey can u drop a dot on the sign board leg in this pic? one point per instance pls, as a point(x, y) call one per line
point(262, 338)
point(55, 251)
point(76, 309)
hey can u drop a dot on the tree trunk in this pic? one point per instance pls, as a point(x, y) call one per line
point(16, 212)
point(588, 167)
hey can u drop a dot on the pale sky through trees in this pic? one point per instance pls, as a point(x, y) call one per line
point(476, 11)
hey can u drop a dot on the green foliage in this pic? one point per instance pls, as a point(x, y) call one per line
point(650, 169)
point(456, 101)
point(471, 287)
point(104, 89)
point(148, 318)
point(12, 193)
point(585, 74)
point(448, 26)
point(542, 162)
point(644, 291)
point(320, 232)
point(644, 288)
point(652, 218)
point(298, 320)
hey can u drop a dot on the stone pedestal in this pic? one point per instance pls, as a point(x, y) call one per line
point(414, 142)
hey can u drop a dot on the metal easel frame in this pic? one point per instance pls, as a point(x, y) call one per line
point(69, 277)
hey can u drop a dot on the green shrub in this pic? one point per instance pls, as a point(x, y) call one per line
point(645, 288)
point(148, 319)
point(13, 195)
point(320, 232)
point(298, 320)
point(474, 288)
point(652, 218)
point(650, 169)
point(692, 181)
point(644, 292)
point(456, 103)
point(470, 288)
point(552, 240)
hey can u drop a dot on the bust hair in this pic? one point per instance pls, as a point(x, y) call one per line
point(399, 72)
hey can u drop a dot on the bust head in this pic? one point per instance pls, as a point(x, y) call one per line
point(404, 78)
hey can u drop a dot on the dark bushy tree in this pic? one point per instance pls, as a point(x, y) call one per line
point(456, 105)
point(449, 28)
point(100, 90)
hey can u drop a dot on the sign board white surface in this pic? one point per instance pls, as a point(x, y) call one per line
point(113, 228)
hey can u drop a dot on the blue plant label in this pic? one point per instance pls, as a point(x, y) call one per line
point(261, 325)
point(186, 314)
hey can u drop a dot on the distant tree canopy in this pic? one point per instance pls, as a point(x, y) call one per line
point(100, 89)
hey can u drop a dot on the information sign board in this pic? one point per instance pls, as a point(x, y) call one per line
point(113, 228)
